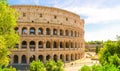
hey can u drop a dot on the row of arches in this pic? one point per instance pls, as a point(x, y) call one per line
point(40, 31)
point(43, 58)
point(49, 44)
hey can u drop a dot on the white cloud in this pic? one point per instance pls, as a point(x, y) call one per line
point(105, 33)
point(97, 15)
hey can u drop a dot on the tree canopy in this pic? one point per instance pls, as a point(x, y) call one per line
point(8, 36)
point(110, 53)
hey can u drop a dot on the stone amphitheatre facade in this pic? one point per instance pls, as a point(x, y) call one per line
point(47, 33)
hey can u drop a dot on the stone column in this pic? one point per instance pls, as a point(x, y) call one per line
point(12, 59)
point(28, 31)
point(36, 31)
point(20, 44)
point(44, 31)
point(28, 48)
point(44, 58)
point(28, 59)
point(44, 45)
point(58, 45)
point(36, 45)
point(51, 31)
point(19, 59)
point(51, 45)
point(36, 57)
point(20, 29)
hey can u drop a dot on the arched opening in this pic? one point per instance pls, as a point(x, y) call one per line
point(32, 31)
point(47, 44)
point(41, 58)
point(55, 58)
point(75, 44)
point(71, 45)
point(47, 31)
point(66, 32)
point(75, 56)
point(24, 44)
point(40, 45)
point(54, 31)
point(72, 57)
point(61, 32)
point(55, 44)
point(61, 45)
point(67, 45)
point(40, 31)
point(23, 59)
point(15, 59)
point(17, 30)
point(32, 45)
point(48, 57)
point(24, 31)
point(62, 57)
point(32, 58)
point(75, 34)
point(67, 57)
point(16, 45)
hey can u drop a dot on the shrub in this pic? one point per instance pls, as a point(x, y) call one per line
point(37, 66)
point(85, 68)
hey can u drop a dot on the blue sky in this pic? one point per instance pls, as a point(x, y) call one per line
point(102, 17)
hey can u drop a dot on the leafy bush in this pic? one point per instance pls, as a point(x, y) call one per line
point(37, 66)
point(85, 68)
point(54, 66)
point(105, 67)
point(7, 69)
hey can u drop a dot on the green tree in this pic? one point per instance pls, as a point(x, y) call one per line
point(59, 66)
point(110, 53)
point(51, 65)
point(8, 36)
point(37, 66)
point(85, 68)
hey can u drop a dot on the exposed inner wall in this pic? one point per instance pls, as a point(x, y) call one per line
point(48, 14)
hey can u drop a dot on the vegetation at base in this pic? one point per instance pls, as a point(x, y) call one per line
point(7, 69)
point(109, 57)
point(110, 53)
point(105, 67)
point(37, 66)
point(50, 65)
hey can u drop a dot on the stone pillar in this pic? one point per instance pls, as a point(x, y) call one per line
point(36, 45)
point(44, 45)
point(64, 45)
point(51, 31)
point(51, 45)
point(58, 45)
point(36, 57)
point(19, 59)
point(28, 44)
point(20, 30)
point(36, 31)
point(44, 58)
point(20, 44)
point(28, 59)
point(12, 59)
point(28, 31)
point(44, 31)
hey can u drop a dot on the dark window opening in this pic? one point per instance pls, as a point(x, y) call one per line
point(24, 14)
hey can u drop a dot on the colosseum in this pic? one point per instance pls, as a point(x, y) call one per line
point(47, 33)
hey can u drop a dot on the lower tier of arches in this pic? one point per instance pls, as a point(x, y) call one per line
point(26, 58)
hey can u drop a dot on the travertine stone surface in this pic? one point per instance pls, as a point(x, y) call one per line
point(47, 33)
